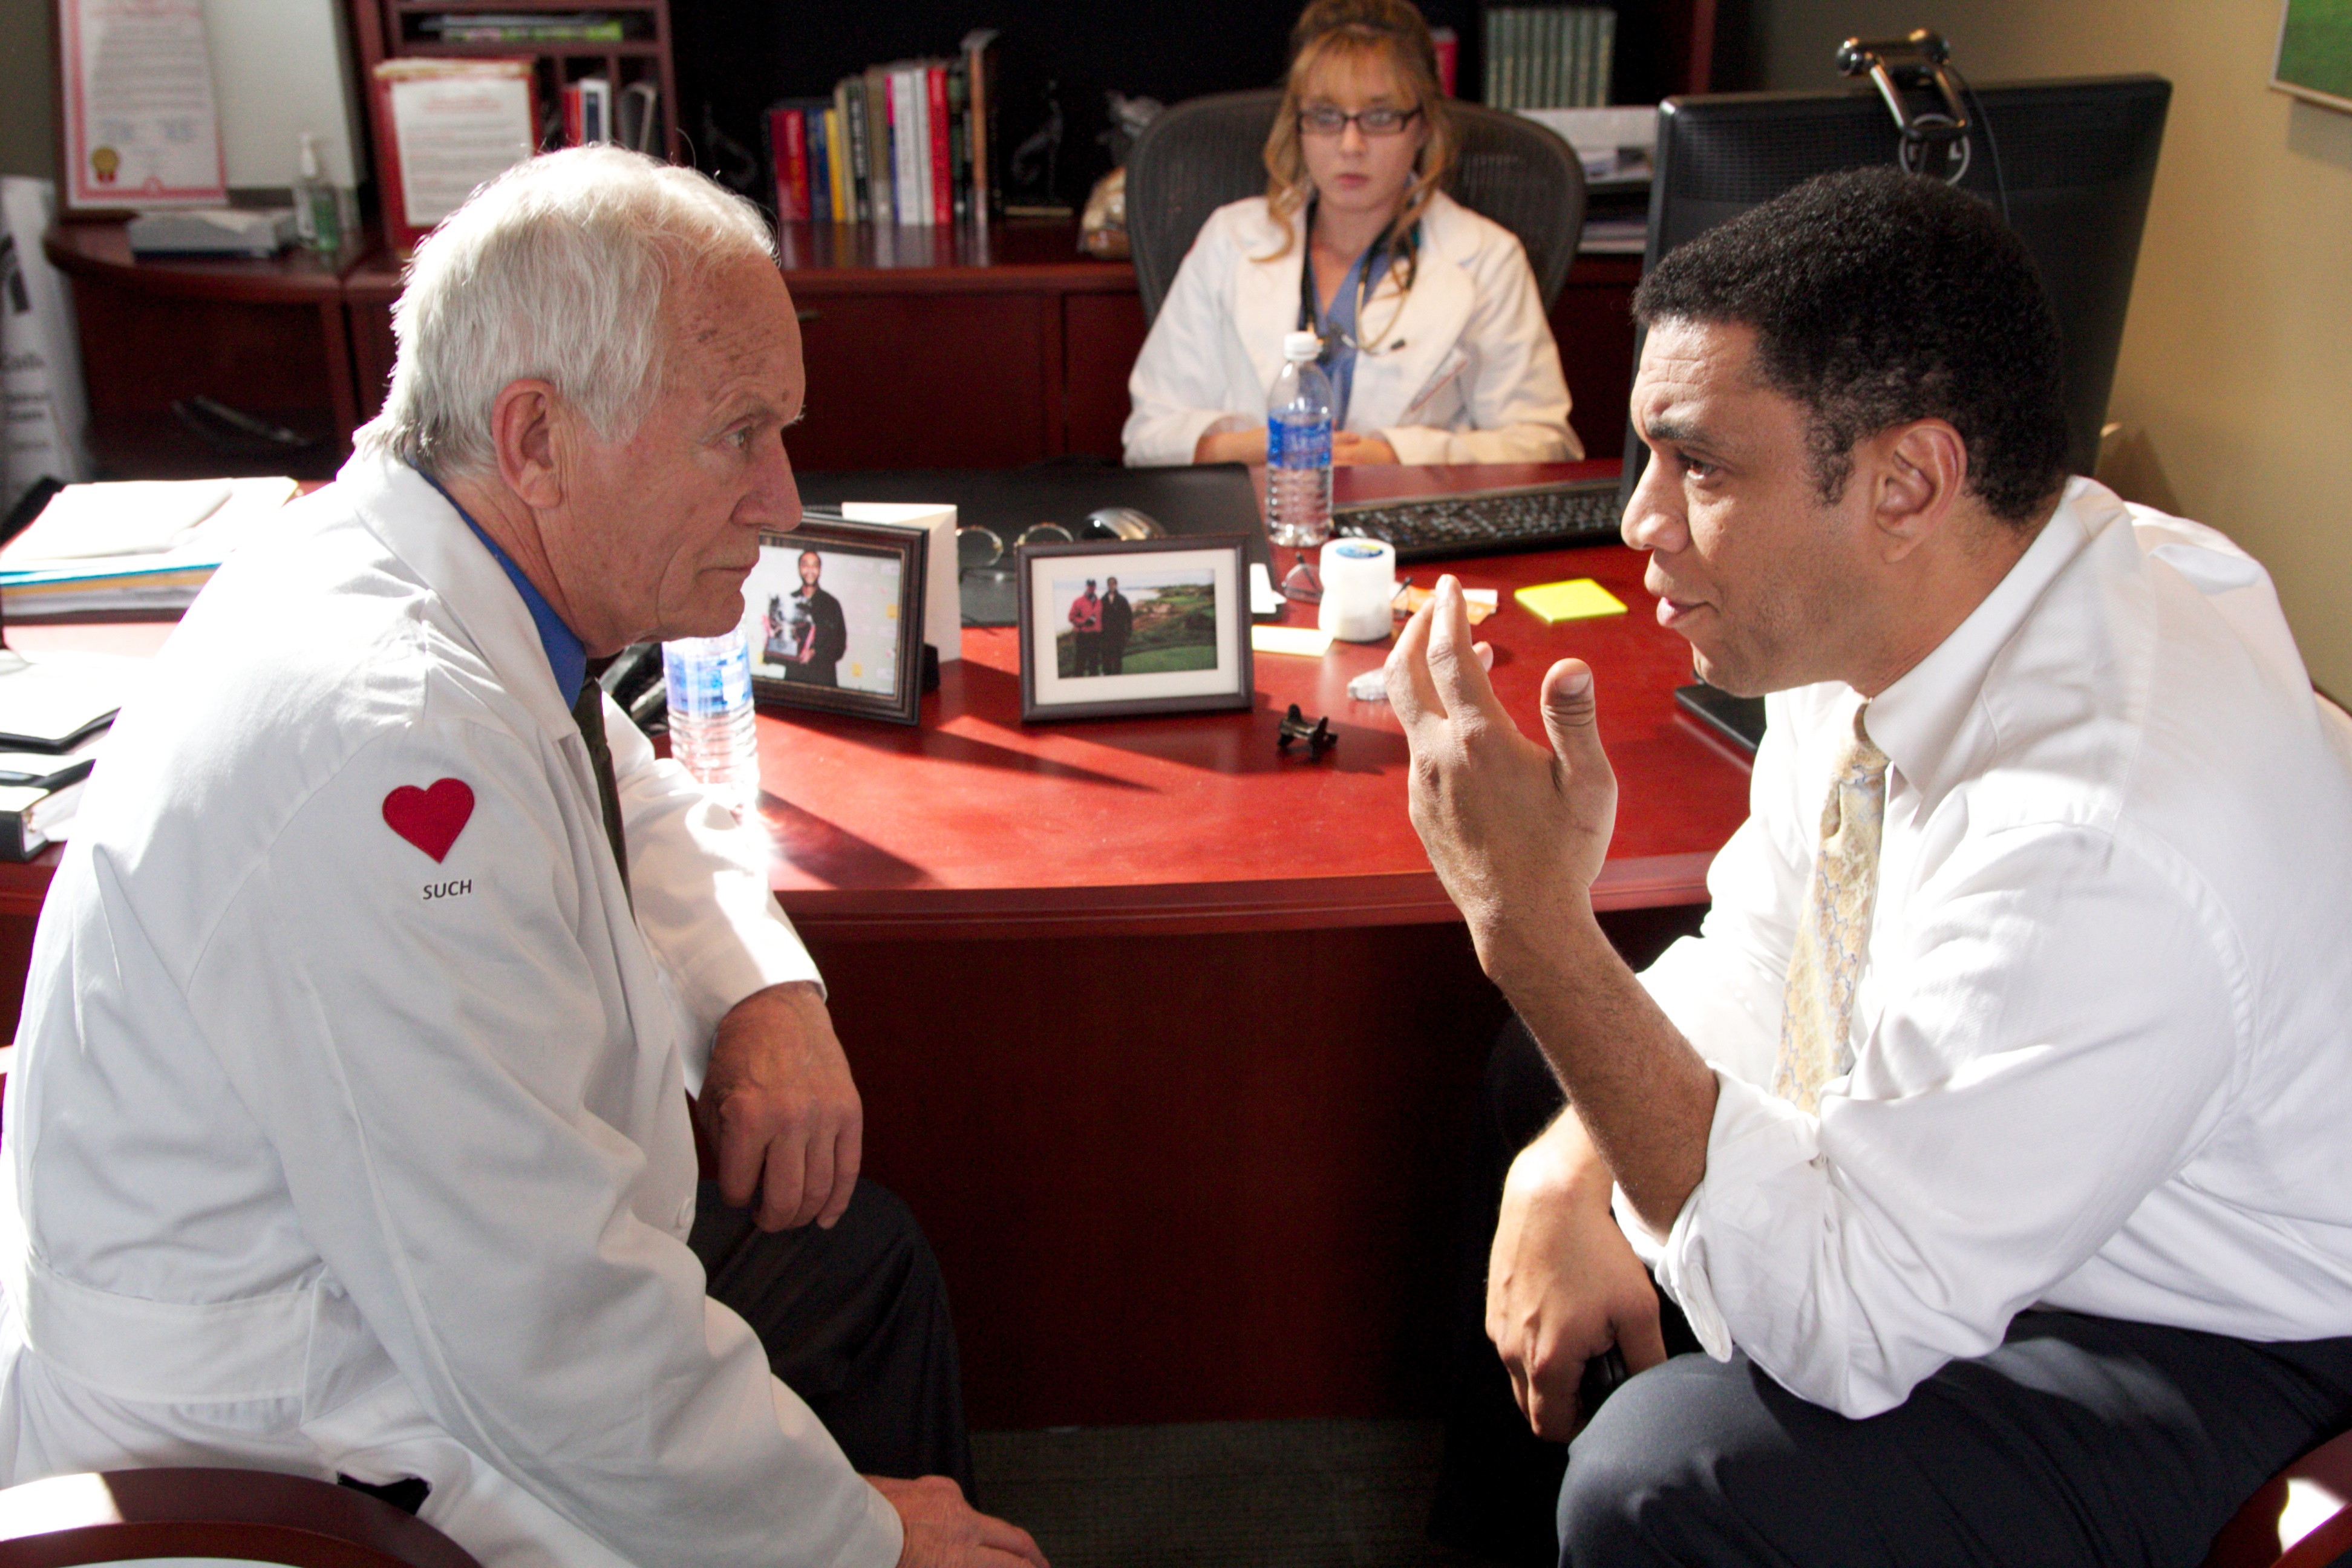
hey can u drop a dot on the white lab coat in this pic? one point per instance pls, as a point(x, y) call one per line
point(323, 1156)
point(1476, 377)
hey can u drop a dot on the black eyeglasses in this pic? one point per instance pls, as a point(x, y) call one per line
point(1323, 119)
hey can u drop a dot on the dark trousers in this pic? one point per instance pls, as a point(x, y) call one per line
point(2080, 1440)
point(1114, 655)
point(854, 1321)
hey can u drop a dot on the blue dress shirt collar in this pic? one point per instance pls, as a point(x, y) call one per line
point(566, 656)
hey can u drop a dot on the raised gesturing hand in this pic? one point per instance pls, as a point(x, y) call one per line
point(1517, 830)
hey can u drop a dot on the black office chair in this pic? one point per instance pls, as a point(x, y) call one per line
point(1207, 152)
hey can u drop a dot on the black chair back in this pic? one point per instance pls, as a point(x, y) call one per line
point(1207, 152)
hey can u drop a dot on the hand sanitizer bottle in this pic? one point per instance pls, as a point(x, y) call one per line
point(318, 217)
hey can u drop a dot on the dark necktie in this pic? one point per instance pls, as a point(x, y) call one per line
point(589, 711)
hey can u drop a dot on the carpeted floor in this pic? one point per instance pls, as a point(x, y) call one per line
point(1253, 1494)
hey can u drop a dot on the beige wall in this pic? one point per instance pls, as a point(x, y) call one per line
point(28, 137)
point(2236, 373)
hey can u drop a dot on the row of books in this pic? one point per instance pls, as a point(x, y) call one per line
point(592, 113)
point(912, 145)
point(1549, 57)
point(523, 27)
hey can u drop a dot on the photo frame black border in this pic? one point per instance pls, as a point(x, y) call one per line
point(911, 545)
point(1245, 695)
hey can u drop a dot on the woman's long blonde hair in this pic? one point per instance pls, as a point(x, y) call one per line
point(1393, 33)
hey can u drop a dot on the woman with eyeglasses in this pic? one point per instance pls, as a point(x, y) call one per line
point(1433, 332)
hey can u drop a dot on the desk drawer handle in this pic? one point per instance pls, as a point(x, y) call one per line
point(810, 315)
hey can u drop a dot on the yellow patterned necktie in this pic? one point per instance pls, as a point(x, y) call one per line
point(1817, 1006)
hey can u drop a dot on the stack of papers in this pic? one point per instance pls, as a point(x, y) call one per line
point(54, 709)
point(144, 545)
point(1615, 145)
point(51, 701)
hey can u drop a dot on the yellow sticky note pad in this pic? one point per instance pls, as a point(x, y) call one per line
point(1306, 642)
point(1578, 599)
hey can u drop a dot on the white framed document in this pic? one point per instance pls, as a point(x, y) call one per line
point(141, 129)
point(452, 125)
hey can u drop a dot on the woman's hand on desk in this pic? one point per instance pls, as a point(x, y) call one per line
point(1243, 446)
point(781, 1109)
point(1249, 447)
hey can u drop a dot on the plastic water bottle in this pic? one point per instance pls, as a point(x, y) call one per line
point(711, 731)
point(1298, 448)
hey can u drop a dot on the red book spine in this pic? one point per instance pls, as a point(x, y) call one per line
point(788, 134)
point(1449, 54)
point(935, 86)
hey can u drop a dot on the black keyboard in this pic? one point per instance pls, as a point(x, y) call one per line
point(1537, 516)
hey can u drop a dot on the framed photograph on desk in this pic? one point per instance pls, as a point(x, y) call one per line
point(1153, 625)
point(835, 611)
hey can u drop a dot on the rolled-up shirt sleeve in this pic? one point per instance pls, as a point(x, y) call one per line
point(2062, 1015)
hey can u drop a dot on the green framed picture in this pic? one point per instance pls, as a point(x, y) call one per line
point(2315, 52)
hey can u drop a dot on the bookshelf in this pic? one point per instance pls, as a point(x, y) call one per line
point(642, 51)
point(737, 57)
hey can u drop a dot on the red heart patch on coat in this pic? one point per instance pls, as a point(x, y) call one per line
point(430, 818)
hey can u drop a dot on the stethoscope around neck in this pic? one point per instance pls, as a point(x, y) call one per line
point(1310, 312)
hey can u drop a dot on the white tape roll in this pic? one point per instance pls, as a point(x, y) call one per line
point(1358, 582)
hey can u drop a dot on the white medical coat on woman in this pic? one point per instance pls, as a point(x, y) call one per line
point(325, 1154)
point(1474, 377)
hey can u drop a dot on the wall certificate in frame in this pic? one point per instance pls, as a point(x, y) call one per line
point(2315, 52)
point(835, 614)
point(1111, 628)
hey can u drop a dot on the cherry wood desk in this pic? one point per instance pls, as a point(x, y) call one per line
point(1173, 1042)
point(974, 825)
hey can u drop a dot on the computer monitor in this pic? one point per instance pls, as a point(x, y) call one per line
point(2071, 162)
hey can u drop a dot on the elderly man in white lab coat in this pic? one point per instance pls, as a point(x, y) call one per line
point(351, 1131)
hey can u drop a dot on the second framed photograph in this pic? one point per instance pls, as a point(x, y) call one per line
point(834, 610)
point(1152, 625)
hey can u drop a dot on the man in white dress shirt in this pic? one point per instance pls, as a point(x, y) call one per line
point(350, 1135)
point(1989, 1137)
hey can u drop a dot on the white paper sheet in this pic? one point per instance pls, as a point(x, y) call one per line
point(455, 133)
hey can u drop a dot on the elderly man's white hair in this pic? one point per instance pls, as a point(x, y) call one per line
point(557, 270)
